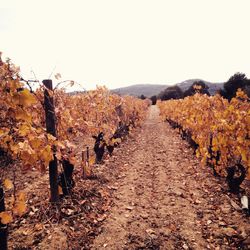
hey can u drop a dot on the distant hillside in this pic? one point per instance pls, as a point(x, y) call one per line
point(149, 90)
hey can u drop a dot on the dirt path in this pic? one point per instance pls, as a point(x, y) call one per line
point(165, 200)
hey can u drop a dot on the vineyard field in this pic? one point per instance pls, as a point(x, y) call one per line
point(96, 170)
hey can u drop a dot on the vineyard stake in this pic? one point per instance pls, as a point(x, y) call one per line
point(51, 129)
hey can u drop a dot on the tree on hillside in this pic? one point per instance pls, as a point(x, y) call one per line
point(172, 92)
point(153, 99)
point(238, 80)
point(143, 97)
point(197, 87)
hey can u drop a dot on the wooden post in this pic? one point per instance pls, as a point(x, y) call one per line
point(51, 129)
point(3, 228)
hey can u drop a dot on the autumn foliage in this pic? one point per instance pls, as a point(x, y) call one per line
point(22, 122)
point(220, 129)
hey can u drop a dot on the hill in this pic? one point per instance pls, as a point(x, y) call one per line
point(149, 90)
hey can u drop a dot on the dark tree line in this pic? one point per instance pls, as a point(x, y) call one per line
point(152, 98)
point(172, 92)
point(238, 80)
point(197, 87)
point(175, 92)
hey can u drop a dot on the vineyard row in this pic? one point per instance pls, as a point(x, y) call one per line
point(39, 127)
point(218, 130)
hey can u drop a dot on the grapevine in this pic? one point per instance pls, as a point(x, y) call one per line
point(219, 129)
point(22, 123)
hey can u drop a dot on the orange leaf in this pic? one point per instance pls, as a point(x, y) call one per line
point(6, 217)
point(8, 184)
point(92, 160)
point(47, 154)
point(20, 206)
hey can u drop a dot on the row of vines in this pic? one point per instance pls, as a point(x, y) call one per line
point(218, 130)
point(34, 133)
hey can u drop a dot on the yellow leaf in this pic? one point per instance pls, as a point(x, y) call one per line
point(24, 98)
point(117, 140)
point(92, 160)
point(197, 153)
point(51, 137)
point(6, 217)
point(24, 129)
point(8, 184)
point(27, 98)
point(47, 154)
point(243, 155)
point(4, 131)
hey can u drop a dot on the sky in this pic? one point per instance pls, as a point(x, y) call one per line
point(123, 42)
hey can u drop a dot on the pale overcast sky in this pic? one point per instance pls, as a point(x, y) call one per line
point(122, 42)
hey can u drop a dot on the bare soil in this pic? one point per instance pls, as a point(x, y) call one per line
point(152, 194)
